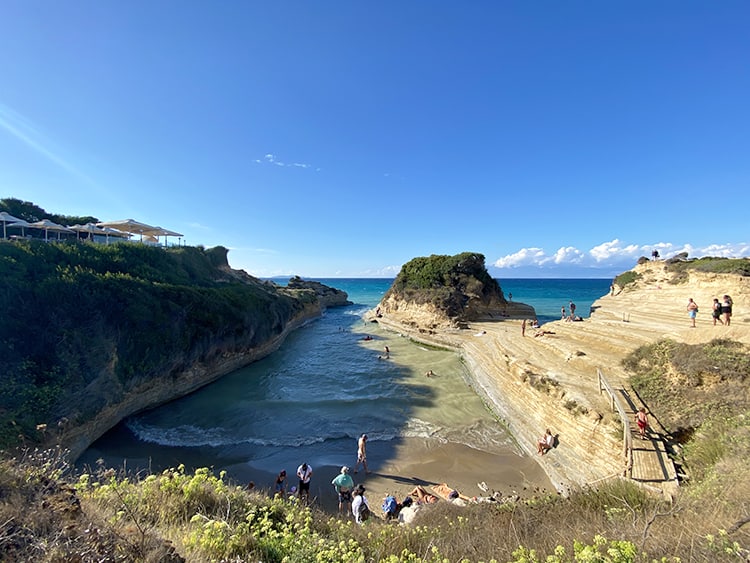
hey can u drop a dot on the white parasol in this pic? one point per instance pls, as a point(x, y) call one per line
point(6, 218)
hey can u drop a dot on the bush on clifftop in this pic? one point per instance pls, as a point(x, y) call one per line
point(458, 285)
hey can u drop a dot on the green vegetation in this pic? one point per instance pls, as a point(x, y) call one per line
point(84, 323)
point(627, 278)
point(32, 213)
point(700, 395)
point(48, 515)
point(681, 268)
point(690, 383)
point(450, 283)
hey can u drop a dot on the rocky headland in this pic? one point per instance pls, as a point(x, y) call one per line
point(328, 296)
point(548, 377)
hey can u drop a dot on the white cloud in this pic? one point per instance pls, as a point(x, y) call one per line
point(523, 257)
point(613, 253)
point(568, 255)
point(607, 250)
point(271, 159)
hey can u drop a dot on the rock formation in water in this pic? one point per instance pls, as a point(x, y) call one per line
point(328, 296)
point(447, 291)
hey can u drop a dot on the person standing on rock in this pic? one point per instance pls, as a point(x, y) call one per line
point(716, 312)
point(726, 309)
point(692, 309)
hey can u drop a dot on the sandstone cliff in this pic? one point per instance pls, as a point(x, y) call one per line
point(550, 380)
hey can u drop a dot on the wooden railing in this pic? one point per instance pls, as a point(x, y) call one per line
point(627, 437)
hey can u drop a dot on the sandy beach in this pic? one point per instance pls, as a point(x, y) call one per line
point(414, 463)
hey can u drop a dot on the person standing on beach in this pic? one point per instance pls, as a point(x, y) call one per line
point(362, 453)
point(304, 472)
point(692, 309)
point(573, 310)
point(523, 328)
point(562, 311)
point(387, 353)
point(343, 483)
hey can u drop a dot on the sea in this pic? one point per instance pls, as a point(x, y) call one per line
point(324, 387)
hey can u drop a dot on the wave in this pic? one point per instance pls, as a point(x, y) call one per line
point(477, 436)
point(189, 436)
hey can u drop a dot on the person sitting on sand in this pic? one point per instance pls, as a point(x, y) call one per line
point(408, 511)
point(545, 443)
point(423, 497)
point(429, 373)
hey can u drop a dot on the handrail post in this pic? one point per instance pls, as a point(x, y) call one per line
point(627, 438)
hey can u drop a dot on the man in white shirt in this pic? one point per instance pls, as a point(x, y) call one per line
point(304, 472)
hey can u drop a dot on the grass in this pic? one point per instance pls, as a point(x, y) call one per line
point(51, 514)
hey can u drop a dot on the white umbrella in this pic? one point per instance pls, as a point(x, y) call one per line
point(128, 226)
point(162, 232)
point(6, 217)
point(88, 228)
point(20, 224)
point(48, 225)
point(110, 232)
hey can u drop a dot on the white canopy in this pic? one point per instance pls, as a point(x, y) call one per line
point(48, 225)
point(6, 217)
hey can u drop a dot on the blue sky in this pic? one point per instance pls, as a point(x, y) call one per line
point(343, 138)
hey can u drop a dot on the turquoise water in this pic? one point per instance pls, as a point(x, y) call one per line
point(548, 295)
point(311, 399)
